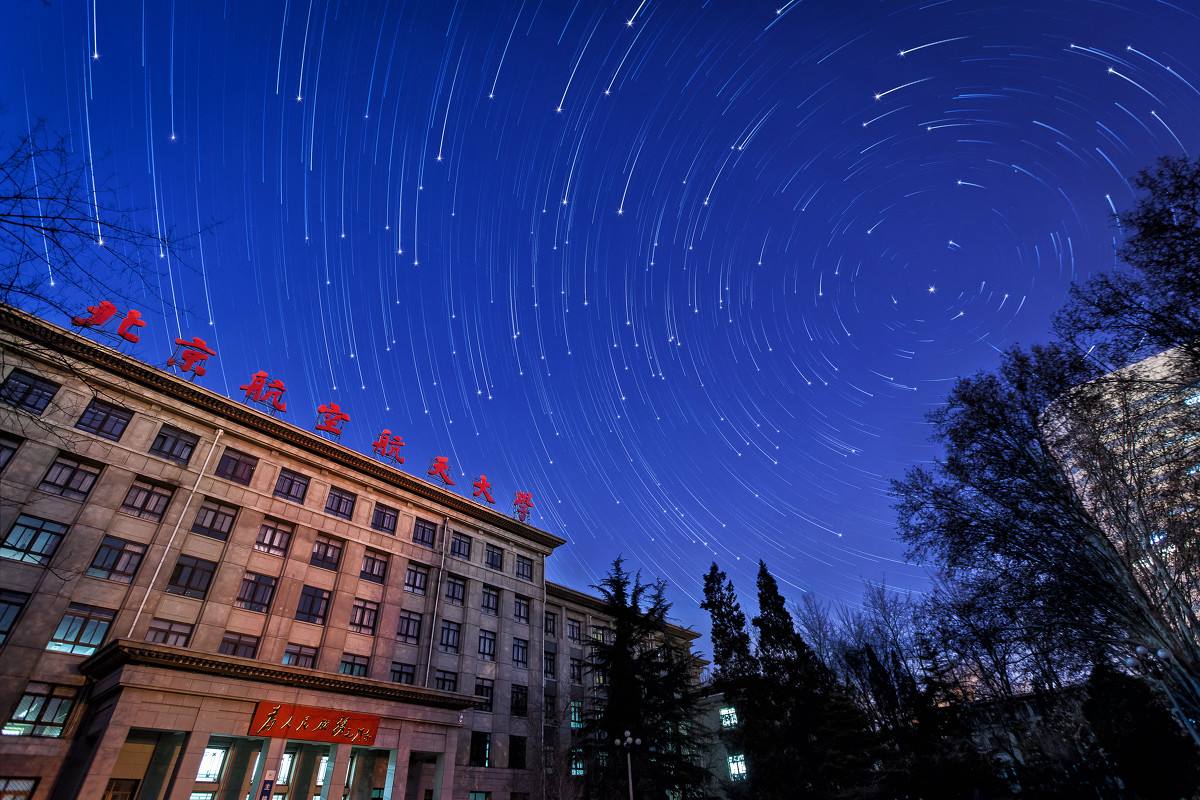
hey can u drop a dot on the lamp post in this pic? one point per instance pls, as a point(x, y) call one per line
point(628, 744)
point(1153, 664)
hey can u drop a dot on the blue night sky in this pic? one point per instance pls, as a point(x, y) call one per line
point(690, 272)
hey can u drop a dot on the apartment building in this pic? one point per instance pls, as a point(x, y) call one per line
point(199, 601)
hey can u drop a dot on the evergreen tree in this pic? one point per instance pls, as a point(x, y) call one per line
point(734, 667)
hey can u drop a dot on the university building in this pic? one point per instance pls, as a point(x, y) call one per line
point(199, 601)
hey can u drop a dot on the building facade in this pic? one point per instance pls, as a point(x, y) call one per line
point(199, 601)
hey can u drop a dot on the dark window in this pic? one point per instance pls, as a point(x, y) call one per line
point(340, 503)
point(524, 568)
point(577, 670)
point(191, 577)
point(404, 673)
point(273, 537)
point(147, 500)
point(327, 552)
point(70, 478)
point(550, 707)
point(424, 532)
point(487, 646)
point(519, 707)
point(493, 557)
point(550, 624)
point(42, 710)
point(104, 419)
point(374, 566)
point(11, 604)
point(384, 518)
point(486, 689)
point(291, 486)
point(416, 579)
point(117, 560)
point(409, 630)
point(521, 609)
point(354, 665)
point(460, 546)
point(214, 519)
point(481, 749)
point(174, 444)
point(520, 652)
point(32, 539)
point(446, 681)
point(516, 752)
point(574, 630)
point(256, 592)
point(81, 630)
point(363, 615)
point(27, 392)
point(236, 466)
point(449, 640)
point(298, 655)
point(456, 590)
point(491, 600)
point(314, 603)
point(241, 645)
point(8, 446)
point(164, 631)
point(549, 664)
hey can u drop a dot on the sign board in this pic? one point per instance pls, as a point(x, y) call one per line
point(312, 724)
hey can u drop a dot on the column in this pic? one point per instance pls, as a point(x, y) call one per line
point(397, 771)
point(188, 765)
point(335, 777)
point(166, 750)
point(444, 774)
point(266, 767)
point(304, 770)
point(104, 758)
point(237, 773)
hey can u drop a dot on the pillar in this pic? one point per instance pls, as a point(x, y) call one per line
point(188, 765)
point(166, 750)
point(444, 772)
point(104, 758)
point(335, 777)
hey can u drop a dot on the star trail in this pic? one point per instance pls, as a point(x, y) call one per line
point(690, 272)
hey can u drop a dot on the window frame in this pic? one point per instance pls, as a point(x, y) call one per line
point(166, 631)
point(340, 503)
point(404, 673)
point(485, 688)
point(368, 571)
point(72, 488)
point(81, 630)
point(218, 511)
point(42, 543)
point(409, 619)
point(445, 680)
point(12, 605)
point(523, 567)
point(457, 550)
point(424, 532)
point(9, 445)
point(327, 552)
point(490, 593)
point(36, 388)
point(269, 544)
point(57, 699)
point(518, 704)
point(152, 494)
point(191, 576)
point(522, 646)
point(487, 645)
point(416, 579)
point(300, 652)
point(285, 486)
point(450, 639)
point(456, 590)
point(313, 605)
point(236, 466)
point(251, 592)
point(173, 440)
point(521, 603)
point(385, 519)
point(104, 419)
point(490, 550)
point(364, 616)
point(235, 642)
point(120, 570)
point(354, 665)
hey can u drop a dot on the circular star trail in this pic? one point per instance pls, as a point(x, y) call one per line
point(690, 272)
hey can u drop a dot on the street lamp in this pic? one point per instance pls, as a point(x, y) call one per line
point(1154, 664)
point(628, 744)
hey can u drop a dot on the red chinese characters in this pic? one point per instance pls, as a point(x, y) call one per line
point(330, 418)
point(190, 356)
point(441, 469)
point(101, 313)
point(522, 504)
point(483, 489)
point(388, 446)
point(283, 720)
point(260, 391)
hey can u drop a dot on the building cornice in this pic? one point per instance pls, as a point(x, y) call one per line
point(597, 604)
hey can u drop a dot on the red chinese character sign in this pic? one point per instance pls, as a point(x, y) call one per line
point(441, 468)
point(100, 315)
point(330, 418)
point(483, 489)
point(189, 356)
point(260, 391)
point(287, 721)
point(522, 505)
point(388, 446)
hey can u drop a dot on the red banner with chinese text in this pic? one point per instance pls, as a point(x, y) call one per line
point(312, 724)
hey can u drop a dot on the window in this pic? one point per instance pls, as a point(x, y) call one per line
point(81, 630)
point(291, 486)
point(147, 500)
point(17, 788)
point(520, 652)
point(737, 767)
point(42, 710)
point(424, 532)
point(354, 665)
point(574, 630)
point(374, 566)
point(577, 768)
point(211, 763)
point(456, 590)
point(32, 539)
point(460, 546)
point(313, 604)
point(521, 609)
point(575, 713)
point(326, 552)
point(409, 630)
point(549, 664)
point(298, 655)
point(214, 519)
point(481, 749)
point(117, 789)
point(242, 645)
point(491, 600)
point(340, 503)
point(164, 631)
point(236, 466)
point(117, 560)
point(104, 419)
point(273, 537)
point(519, 706)
point(363, 615)
point(384, 519)
point(404, 673)
point(728, 717)
point(27, 392)
point(550, 707)
point(577, 671)
point(493, 557)
point(516, 752)
point(479, 796)
point(11, 604)
point(487, 645)
point(524, 568)
point(550, 624)
point(8, 446)
point(446, 681)
point(450, 636)
point(174, 444)
point(191, 577)
point(256, 592)
point(485, 688)
point(600, 634)
point(416, 579)
point(70, 478)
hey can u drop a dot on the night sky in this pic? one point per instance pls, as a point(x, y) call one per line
point(690, 272)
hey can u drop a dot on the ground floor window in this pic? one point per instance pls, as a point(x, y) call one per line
point(17, 788)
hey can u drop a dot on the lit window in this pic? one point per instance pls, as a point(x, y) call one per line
point(737, 767)
point(81, 630)
point(728, 717)
point(285, 768)
point(577, 768)
point(575, 712)
point(41, 711)
point(33, 540)
point(210, 765)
